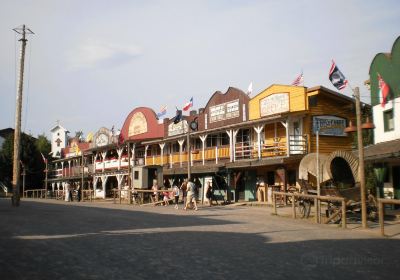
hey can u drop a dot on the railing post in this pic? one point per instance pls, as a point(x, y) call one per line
point(293, 206)
point(274, 202)
point(316, 209)
point(120, 196)
point(381, 217)
point(344, 218)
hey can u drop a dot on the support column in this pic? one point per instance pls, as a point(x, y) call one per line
point(258, 130)
point(62, 169)
point(162, 145)
point(229, 132)
point(234, 132)
point(103, 184)
point(103, 157)
point(119, 152)
point(69, 168)
point(133, 154)
point(145, 154)
point(203, 139)
point(286, 125)
point(180, 142)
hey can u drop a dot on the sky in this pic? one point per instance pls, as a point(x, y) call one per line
point(90, 63)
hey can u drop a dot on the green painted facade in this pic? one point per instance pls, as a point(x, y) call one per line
point(388, 66)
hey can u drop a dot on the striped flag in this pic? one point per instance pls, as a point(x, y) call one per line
point(162, 112)
point(337, 78)
point(188, 105)
point(250, 89)
point(299, 80)
point(383, 90)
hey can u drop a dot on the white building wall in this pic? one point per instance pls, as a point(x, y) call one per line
point(58, 133)
point(379, 131)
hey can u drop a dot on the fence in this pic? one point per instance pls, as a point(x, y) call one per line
point(316, 200)
point(381, 203)
point(38, 193)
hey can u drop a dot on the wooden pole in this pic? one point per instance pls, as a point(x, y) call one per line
point(17, 132)
point(293, 206)
point(189, 154)
point(344, 218)
point(361, 171)
point(45, 180)
point(381, 218)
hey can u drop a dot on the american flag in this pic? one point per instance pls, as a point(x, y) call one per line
point(299, 80)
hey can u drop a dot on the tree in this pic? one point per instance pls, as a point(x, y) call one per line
point(30, 157)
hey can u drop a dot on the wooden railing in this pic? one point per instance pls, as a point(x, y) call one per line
point(316, 200)
point(381, 210)
point(38, 193)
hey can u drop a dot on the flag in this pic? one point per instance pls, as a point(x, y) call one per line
point(337, 78)
point(299, 80)
point(162, 112)
point(250, 89)
point(383, 90)
point(188, 105)
point(44, 159)
point(178, 116)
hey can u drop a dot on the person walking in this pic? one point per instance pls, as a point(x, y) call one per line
point(184, 191)
point(208, 191)
point(176, 193)
point(191, 195)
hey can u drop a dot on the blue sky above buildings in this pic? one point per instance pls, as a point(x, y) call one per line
point(92, 62)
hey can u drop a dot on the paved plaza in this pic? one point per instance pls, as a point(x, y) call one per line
point(58, 240)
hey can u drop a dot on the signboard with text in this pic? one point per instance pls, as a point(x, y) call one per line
point(224, 111)
point(329, 125)
point(274, 104)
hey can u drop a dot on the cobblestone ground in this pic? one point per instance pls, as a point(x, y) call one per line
point(57, 240)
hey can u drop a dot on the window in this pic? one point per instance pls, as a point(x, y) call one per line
point(175, 147)
point(388, 120)
point(136, 175)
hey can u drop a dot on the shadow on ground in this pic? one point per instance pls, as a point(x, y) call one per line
point(138, 245)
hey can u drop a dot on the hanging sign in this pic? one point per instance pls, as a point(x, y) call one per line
point(179, 128)
point(224, 111)
point(329, 125)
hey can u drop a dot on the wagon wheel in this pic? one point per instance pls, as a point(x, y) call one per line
point(334, 213)
point(303, 208)
point(291, 190)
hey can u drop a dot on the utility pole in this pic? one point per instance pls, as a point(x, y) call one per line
point(17, 132)
point(361, 171)
point(23, 179)
point(189, 153)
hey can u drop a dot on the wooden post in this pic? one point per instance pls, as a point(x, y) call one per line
point(274, 202)
point(344, 218)
point(114, 195)
point(120, 197)
point(129, 196)
point(293, 206)
point(316, 210)
point(381, 217)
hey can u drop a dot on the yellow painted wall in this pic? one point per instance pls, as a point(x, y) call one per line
point(297, 99)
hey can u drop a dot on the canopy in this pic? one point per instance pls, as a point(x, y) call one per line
point(308, 165)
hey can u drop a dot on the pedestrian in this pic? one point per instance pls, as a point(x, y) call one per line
point(191, 195)
point(208, 191)
point(78, 194)
point(154, 195)
point(184, 191)
point(66, 191)
point(175, 191)
point(165, 197)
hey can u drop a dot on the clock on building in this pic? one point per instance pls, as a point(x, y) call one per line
point(101, 139)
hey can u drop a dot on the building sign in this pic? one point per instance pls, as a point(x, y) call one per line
point(138, 124)
point(274, 104)
point(224, 111)
point(329, 125)
point(179, 128)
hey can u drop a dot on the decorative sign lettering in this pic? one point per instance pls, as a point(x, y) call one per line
point(224, 111)
point(179, 128)
point(329, 125)
point(138, 124)
point(274, 104)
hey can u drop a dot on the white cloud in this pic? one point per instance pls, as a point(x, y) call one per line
point(94, 53)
